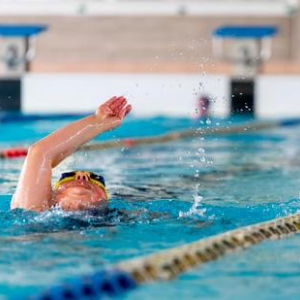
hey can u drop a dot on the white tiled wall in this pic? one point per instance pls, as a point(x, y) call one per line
point(157, 94)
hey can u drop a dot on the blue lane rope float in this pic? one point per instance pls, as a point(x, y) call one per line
point(168, 264)
point(99, 285)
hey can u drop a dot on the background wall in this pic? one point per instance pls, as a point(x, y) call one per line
point(278, 96)
point(149, 43)
point(161, 62)
point(155, 94)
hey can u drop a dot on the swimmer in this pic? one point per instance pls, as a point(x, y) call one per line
point(77, 190)
point(203, 106)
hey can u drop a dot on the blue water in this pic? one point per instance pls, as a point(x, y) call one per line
point(173, 193)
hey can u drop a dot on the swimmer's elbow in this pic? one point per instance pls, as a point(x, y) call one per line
point(42, 153)
point(38, 152)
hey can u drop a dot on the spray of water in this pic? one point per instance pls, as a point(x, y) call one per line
point(196, 209)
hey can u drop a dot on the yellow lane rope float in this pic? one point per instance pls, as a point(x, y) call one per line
point(169, 263)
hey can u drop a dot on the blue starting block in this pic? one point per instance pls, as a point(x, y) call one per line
point(21, 30)
point(245, 32)
point(245, 47)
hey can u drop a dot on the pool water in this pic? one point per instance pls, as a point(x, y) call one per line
point(173, 193)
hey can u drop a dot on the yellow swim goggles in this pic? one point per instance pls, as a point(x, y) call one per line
point(92, 177)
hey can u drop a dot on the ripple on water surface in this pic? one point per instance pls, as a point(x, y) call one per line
point(164, 196)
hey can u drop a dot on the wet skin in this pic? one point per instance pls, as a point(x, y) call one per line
point(79, 194)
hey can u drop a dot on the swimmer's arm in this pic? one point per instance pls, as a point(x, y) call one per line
point(34, 190)
point(61, 143)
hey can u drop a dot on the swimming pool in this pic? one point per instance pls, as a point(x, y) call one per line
point(184, 190)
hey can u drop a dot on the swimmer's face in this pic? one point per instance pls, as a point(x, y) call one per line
point(79, 194)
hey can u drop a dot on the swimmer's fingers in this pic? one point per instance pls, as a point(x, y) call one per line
point(110, 101)
point(113, 111)
point(110, 104)
point(117, 103)
point(108, 108)
point(121, 104)
point(125, 111)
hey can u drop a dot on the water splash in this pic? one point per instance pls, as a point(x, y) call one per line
point(196, 209)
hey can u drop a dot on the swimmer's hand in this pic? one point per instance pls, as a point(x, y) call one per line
point(112, 112)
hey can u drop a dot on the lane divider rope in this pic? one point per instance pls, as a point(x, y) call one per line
point(99, 285)
point(169, 263)
point(13, 152)
point(171, 136)
point(177, 135)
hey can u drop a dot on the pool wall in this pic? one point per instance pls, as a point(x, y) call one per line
point(155, 94)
